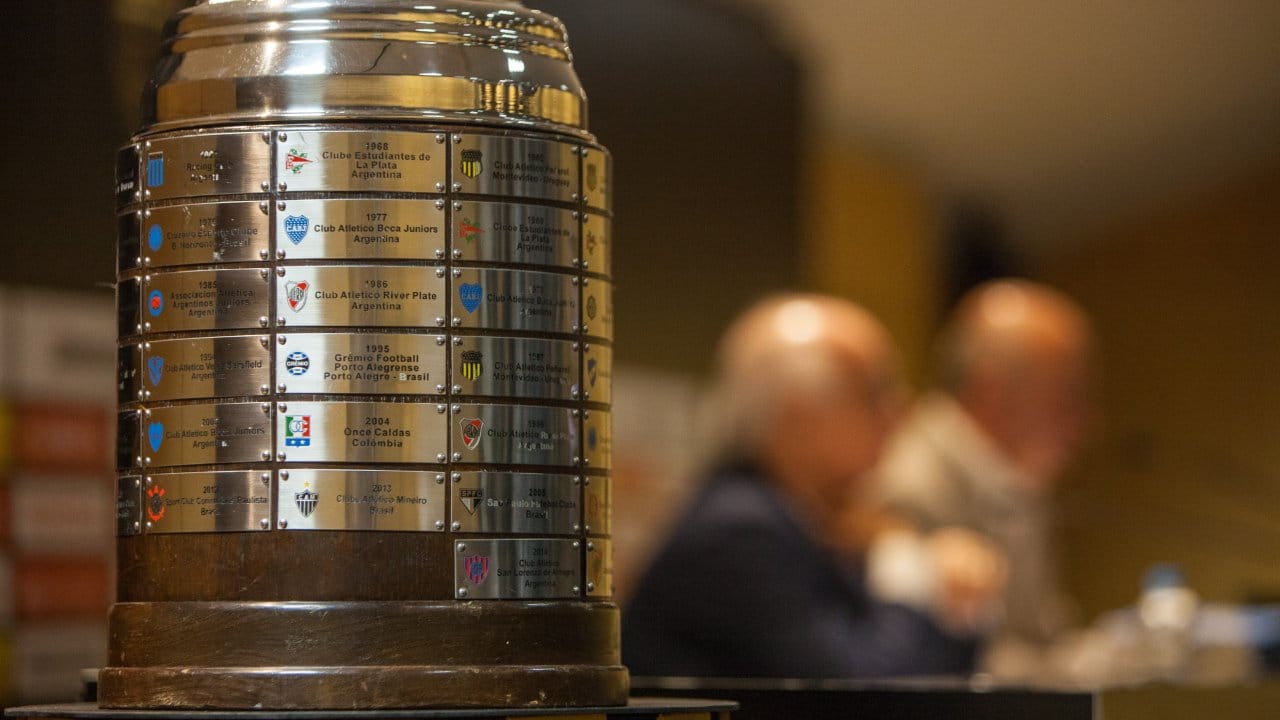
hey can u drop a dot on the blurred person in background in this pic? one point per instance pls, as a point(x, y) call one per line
point(763, 575)
point(985, 450)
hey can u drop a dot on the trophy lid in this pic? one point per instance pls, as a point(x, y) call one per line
point(489, 62)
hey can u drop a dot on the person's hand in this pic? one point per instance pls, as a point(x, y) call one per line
point(970, 575)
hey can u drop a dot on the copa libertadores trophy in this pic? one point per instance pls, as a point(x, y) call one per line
point(365, 328)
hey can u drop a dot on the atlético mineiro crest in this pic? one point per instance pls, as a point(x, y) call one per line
point(295, 226)
point(469, 230)
point(472, 162)
point(476, 567)
point(470, 294)
point(296, 294)
point(472, 432)
point(155, 435)
point(472, 364)
point(306, 501)
point(155, 369)
point(294, 161)
point(297, 430)
point(155, 503)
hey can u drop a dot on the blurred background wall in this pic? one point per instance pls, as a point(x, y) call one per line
point(895, 153)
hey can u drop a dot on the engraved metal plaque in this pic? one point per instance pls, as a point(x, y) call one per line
point(597, 438)
point(207, 164)
point(128, 505)
point(597, 178)
point(597, 372)
point(597, 505)
point(205, 434)
point(127, 189)
point(128, 241)
point(363, 228)
point(512, 569)
point(223, 501)
point(597, 244)
point(127, 440)
point(361, 296)
point(396, 500)
point(516, 167)
point(360, 160)
point(361, 432)
point(128, 378)
point(506, 232)
point(205, 233)
point(205, 300)
point(516, 503)
point(597, 308)
point(128, 306)
point(515, 434)
point(599, 567)
point(362, 363)
point(516, 367)
point(207, 367)
point(515, 300)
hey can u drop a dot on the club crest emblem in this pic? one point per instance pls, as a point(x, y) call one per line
point(297, 363)
point(155, 435)
point(155, 369)
point(591, 439)
point(472, 162)
point(296, 294)
point(155, 503)
point(471, 498)
point(306, 501)
point(295, 226)
point(155, 303)
point(470, 294)
point(591, 307)
point(472, 364)
point(155, 237)
point(472, 432)
point(476, 567)
point(591, 176)
point(297, 430)
point(469, 231)
point(591, 372)
point(155, 169)
point(591, 243)
point(294, 161)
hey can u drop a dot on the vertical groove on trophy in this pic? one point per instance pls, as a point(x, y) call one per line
point(365, 320)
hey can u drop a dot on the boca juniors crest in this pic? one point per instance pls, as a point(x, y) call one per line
point(472, 364)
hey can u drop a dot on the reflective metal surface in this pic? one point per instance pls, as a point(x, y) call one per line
point(516, 167)
point(515, 435)
point(597, 505)
point(599, 567)
point(361, 296)
point(516, 503)
point(515, 300)
point(205, 434)
point(224, 501)
point(515, 233)
point(597, 308)
point(597, 372)
point(597, 252)
point(128, 505)
point(372, 160)
point(205, 300)
point(198, 233)
point(361, 363)
point(357, 229)
point(207, 367)
point(205, 164)
point(512, 569)
point(361, 432)
point(515, 367)
point(391, 500)
point(597, 438)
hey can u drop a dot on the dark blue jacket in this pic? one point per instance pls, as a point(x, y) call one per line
point(741, 590)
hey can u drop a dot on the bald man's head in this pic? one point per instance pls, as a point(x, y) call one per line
point(1016, 357)
point(810, 383)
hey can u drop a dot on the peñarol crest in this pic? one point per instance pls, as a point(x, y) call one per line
point(472, 163)
point(472, 364)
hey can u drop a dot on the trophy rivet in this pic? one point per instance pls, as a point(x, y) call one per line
point(457, 341)
point(576, 544)
point(439, 339)
point(266, 186)
point(280, 388)
point(440, 321)
point(282, 185)
point(457, 457)
point(280, 254)
point(462, 592)
point(591, 586)
point(576, 590)
point(265, 477)
point(440, 457)
point(280, 205)
point(266, 137)
point(150, 480)
point(462, 547)
point(457, 272)
point(456, 322)
point(280, 272)
point(440, 388)
point(265, 274)
point(284, 524)
point(281, 136)
point(456, 526)
point(281, 456)
point(266, 454)
point(440, 253)
point(457, 254)
point(577, 527)
point(457, 477)
point(266, 407)
point(457, 409)
point(440, 137)
point(284, 475)
point(137, 526)
point(440, 272)
point(590, 545)
point(439, 187)
point(264, 389)
point(439, 524)
point(457, 389)
point(284, 407)
point(263, 254)
point(282, 339)
point(265, 524)
point(148, 524)
point(457, 187)
point(457, 138)
point(264, 321)
point(439, 204)
point(457, 205)
point(439, 478)
point(440, 408)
